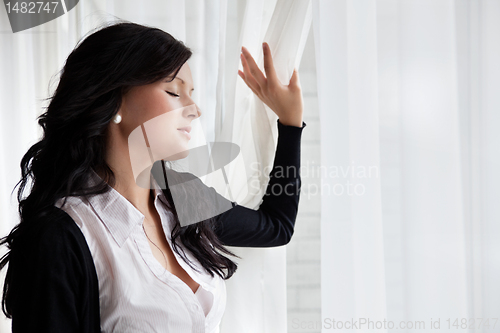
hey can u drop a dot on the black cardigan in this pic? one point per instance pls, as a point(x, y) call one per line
point(54, 281)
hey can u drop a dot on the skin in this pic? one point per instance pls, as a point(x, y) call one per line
point(145, 102)
point(285, 100)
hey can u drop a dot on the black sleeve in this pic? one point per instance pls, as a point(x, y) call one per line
point(48, 281)
point(273, 223)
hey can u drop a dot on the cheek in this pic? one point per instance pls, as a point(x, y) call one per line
point(162, 135)
point(159, 104)
point(146, 106)
point(157, 138)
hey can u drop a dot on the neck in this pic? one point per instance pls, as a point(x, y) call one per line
point(141, 197)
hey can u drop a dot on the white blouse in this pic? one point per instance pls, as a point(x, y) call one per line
point(136, 293)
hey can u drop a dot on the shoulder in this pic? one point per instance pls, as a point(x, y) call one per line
point(54, 234)
point(56, 223)
point(52, 281)
point(52, 253)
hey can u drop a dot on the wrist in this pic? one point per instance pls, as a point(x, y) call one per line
point(291, 122)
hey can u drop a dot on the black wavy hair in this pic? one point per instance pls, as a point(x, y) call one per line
point(101, 68)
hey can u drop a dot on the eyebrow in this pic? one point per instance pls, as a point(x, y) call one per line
point(178, 79)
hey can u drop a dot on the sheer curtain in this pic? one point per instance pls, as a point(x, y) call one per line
point(215, 31)
point(408, 102)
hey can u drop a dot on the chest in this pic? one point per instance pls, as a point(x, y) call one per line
point(139, 293)
point(136, 290)
point(163, 253)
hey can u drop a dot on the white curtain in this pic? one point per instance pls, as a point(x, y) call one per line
point(410, 133)
point(215, 31)
point(410, 130)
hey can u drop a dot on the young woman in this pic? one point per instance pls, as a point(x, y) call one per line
point(96, 252)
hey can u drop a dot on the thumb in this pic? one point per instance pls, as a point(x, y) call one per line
point(294, 80)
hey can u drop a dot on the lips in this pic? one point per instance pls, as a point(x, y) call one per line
point(186, 131)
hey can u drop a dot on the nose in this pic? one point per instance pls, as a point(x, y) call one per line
point(192, 111)
point(198, 112)
point(195, 112)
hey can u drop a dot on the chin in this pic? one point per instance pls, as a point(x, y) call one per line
point(183, 153)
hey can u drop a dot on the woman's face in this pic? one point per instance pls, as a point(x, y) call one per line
point(158, 115)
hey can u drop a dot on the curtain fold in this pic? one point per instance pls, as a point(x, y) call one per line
point(261, 277)
point(409, 88)
point(353, 283)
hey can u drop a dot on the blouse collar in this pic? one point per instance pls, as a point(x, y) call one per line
point(116, 212)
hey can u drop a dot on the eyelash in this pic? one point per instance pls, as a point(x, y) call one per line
point(168, 92)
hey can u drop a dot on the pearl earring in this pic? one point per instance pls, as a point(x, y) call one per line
point(117, 119)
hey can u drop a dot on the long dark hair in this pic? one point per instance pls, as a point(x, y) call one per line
point(101, 68)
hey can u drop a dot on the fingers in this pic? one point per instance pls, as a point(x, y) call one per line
point(253, 68)
point(294, 80)
point(250, 79)
point(242, 75)
point(268, 64)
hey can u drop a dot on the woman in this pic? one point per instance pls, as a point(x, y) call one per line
point(96, 252)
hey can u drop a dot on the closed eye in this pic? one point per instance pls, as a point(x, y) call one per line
point(168, 92)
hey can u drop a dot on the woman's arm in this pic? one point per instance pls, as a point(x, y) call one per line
point(273, 223)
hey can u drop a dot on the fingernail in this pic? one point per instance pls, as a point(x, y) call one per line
point(264, 45)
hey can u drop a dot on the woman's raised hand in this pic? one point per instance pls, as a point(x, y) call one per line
point(285, 100)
